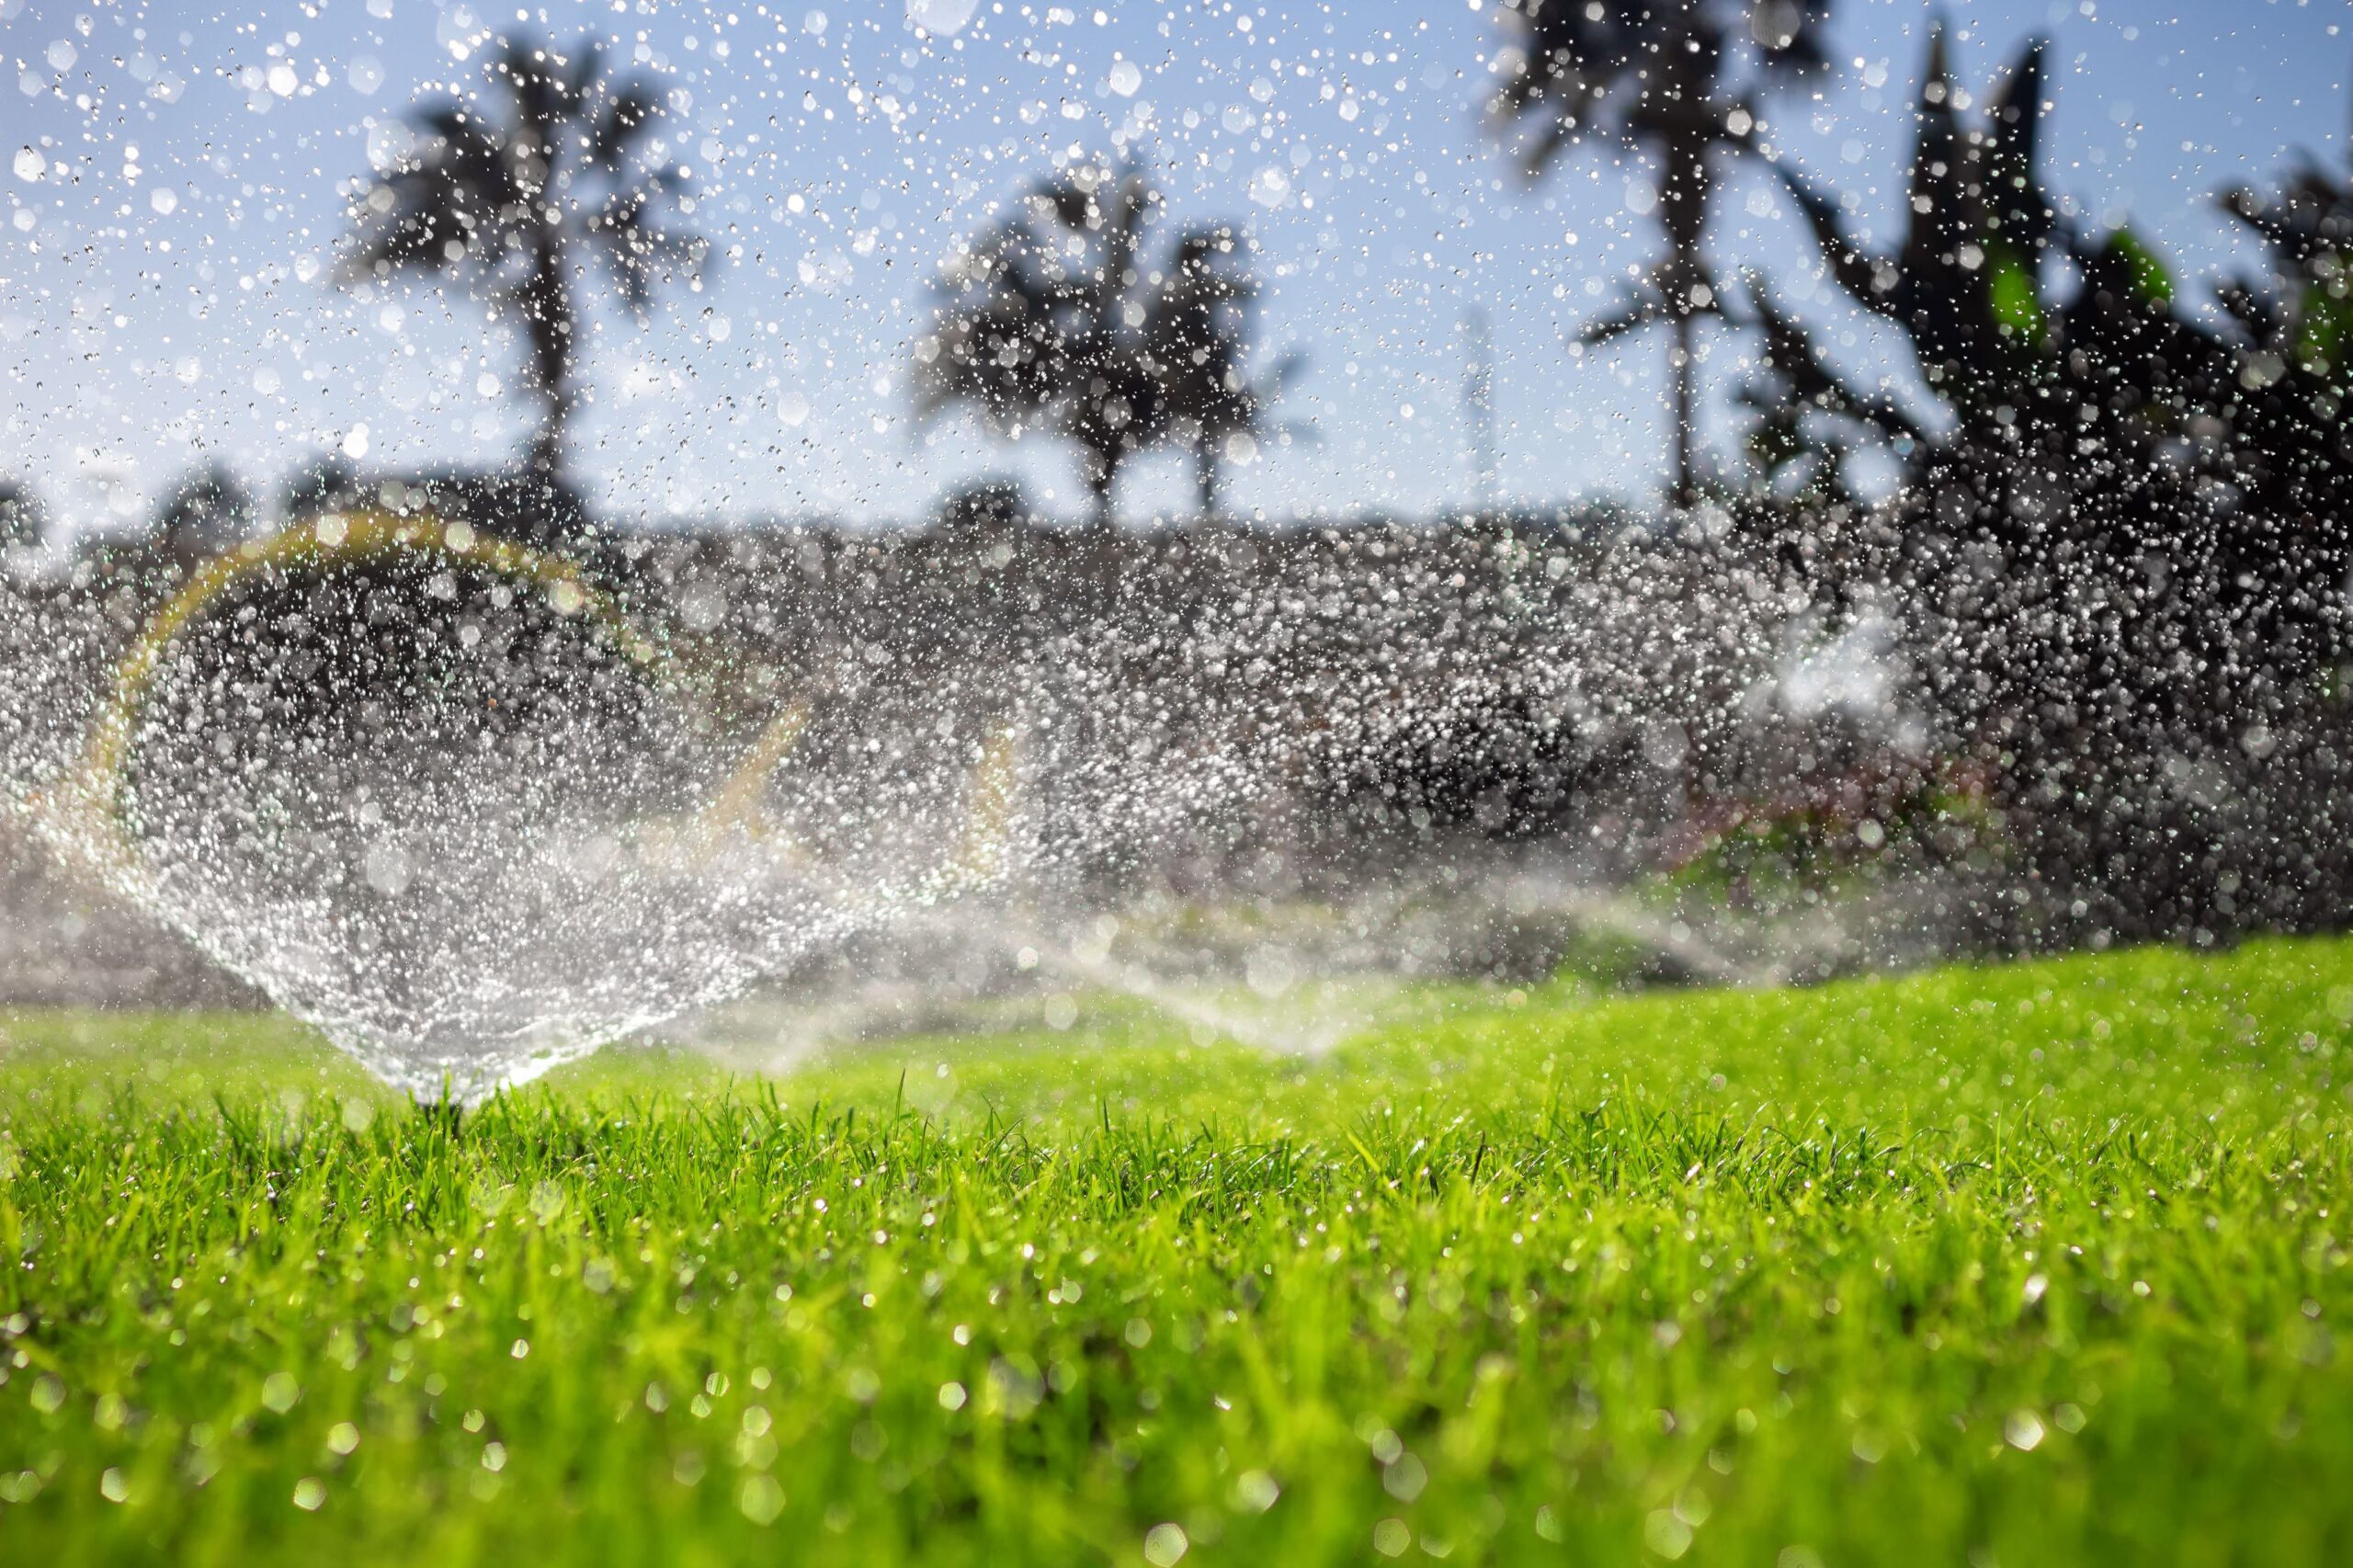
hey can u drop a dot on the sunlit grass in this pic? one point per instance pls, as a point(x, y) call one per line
point(2042, 1263)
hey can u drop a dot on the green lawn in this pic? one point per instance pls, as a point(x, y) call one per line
point(2043, 1264)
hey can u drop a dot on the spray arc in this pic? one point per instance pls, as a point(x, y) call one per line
point(444, 796)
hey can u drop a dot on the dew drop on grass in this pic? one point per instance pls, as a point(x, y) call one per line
point(1664, 1532)
point(1165, 1545)
point(279, 1391)
point(761, 1499)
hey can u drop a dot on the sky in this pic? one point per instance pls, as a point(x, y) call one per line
point(181, 175)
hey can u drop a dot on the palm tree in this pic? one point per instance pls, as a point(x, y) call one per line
point(1197, 333)
point(516, 206)
point(1660, 75)
point(1055, 319)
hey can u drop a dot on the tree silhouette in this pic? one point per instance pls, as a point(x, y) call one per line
point(1056, 318)
point(1965, 284)
point(2121, 537)
point(1197, 333)
point(2016, 362)
point(208, 513)
point(2291, 380)
point(517, 204)
point(1664, 77)
point(2306, 226)
point(1806, 420)
point(2063, 393)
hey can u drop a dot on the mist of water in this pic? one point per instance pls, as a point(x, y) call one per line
point(473, 814)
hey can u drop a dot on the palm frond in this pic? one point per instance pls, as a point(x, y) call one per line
point(626, 117)
point(1855, 271)
point(1632, 316)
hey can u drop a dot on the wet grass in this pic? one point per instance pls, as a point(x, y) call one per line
point(2042, 1264)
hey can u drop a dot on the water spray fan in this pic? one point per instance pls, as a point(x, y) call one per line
point(664, 882)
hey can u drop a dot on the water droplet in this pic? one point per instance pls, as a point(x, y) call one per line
point(279, 1391)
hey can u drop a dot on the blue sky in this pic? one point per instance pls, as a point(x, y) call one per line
point(173, 206)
